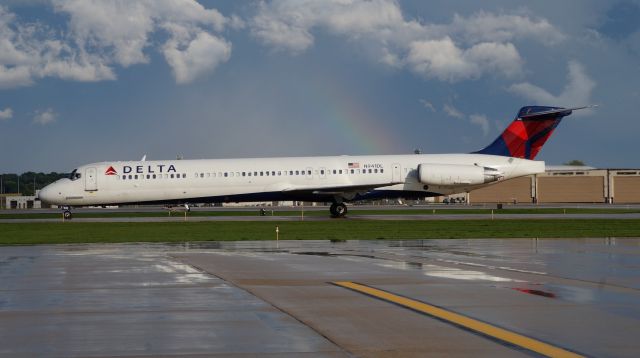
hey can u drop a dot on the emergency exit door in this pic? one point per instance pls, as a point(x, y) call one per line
point(396, 173)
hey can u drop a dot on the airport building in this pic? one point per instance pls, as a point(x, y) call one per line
point(19, 201)
point(565, 184)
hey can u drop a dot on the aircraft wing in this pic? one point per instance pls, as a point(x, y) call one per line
point(343, 191)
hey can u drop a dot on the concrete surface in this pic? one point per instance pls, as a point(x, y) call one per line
point(276, 299)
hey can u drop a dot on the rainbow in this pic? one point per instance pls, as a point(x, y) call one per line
point(352, 121)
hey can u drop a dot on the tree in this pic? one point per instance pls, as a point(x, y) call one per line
point(28, 182)
point(575, 162)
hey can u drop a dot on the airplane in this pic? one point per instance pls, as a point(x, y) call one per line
point(335, 179)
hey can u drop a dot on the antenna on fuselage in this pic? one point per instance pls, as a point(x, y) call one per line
point(144, 157)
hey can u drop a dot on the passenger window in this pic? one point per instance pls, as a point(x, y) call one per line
point(244, 174)
point(279, 173)
point(369, 171)
point(184, 175)
point(124, 177)
point(375, 170)
point(249, 173)
point(170, 175)
point(154, 176)
point(261, 174)
point(297, 172)
point(340, 171)
point(308, 172)
point(267, 172)
point(381, 170)
point(334, 171)
point(353, 171)
point(322, 172)
point(135, 176)
point(148, 176)
point(226, 174)
point(273, 173)
point(290, 172)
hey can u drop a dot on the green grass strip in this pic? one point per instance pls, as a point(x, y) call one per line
point(316, 212)
point(77, 232)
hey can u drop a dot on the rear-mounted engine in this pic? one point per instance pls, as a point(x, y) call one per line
point(456, 174)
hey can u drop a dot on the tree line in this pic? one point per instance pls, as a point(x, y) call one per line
point(25, 183)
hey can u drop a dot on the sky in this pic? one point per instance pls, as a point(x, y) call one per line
point(85, 81)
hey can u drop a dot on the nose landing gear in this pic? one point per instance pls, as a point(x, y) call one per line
point(66, 214)
point(338, 210)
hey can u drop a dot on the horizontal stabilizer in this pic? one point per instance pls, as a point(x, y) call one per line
point(563, 111)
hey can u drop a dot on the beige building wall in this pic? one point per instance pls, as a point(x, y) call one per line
point(518, 189)
point(571, 189)
point(626, 189)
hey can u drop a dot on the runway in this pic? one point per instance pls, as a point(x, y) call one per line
point(316, 213)
point(284, 299)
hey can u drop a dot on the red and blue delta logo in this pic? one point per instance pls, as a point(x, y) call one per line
point(110, 171)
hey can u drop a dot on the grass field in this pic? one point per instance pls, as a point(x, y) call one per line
point(352, 211)
point(75, 232)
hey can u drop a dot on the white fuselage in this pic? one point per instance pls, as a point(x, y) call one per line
point(335, 178)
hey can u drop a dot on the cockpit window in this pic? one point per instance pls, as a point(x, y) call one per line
point(74, 175)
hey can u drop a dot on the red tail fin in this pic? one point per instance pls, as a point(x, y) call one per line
point(526, 135)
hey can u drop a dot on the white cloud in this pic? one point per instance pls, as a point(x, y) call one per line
point(442, 59)
point(30, 51)
point(200, 56)
point(480, 120)
point(576, 92)
point(287, 24)
point(485, 26)
point(44, 117)
point(6, 113)
point(428, 105)
point(452, 111)
point(475, 119)
point(102, 34)
point(449, 52)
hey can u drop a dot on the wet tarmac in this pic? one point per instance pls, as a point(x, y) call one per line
point(268, 298)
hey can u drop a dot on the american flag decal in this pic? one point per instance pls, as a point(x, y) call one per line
point(354, 165)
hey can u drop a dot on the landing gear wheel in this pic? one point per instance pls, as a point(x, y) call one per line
point(338, 210)
point(67, 215)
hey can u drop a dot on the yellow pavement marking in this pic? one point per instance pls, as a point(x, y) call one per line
point(466, 322)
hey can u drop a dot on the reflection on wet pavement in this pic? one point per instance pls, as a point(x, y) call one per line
point(250, 297)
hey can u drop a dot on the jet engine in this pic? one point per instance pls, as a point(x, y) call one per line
point(456, 174)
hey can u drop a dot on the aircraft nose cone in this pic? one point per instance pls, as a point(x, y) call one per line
point(47, 194)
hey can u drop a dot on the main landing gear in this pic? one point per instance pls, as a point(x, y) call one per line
point(338, 210)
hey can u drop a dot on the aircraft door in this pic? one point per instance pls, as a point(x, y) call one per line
point(90, 179)
point(396, 173)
